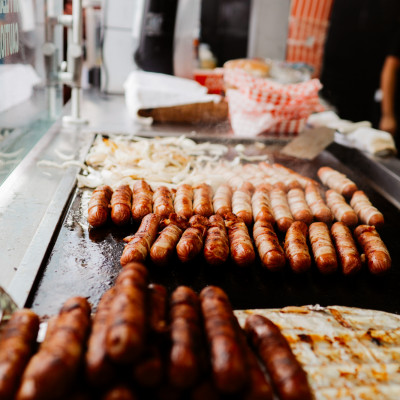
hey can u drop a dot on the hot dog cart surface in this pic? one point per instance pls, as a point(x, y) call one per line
point(50, 254)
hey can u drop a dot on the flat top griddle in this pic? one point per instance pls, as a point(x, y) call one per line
point(85, 262)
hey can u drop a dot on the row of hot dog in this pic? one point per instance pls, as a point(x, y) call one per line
point(142, 344)
point(227, 232)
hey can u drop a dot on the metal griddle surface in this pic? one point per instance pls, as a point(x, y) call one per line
point(85, 262)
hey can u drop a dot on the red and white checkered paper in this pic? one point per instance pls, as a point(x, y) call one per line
point(259, 105)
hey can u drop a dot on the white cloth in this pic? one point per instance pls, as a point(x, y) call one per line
point(152, 90)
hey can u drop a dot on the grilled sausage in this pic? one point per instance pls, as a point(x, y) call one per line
point(241, 203)
point(340, 209)
point(99, 369)
point(216, 245)
point(140, 243)
point(16, 347)
point(261, 205)
point(267, 243)
point(121, 204)
point(376, 252)
point(157, 308)
point(346, 248)
point(149, 370)
point(296, 249)
point(127, 316)
point(222, 200)
point(162, 202)
point(241, 246)
point(367, 213)
point(227, 358)
point(191, 241)
point(298, 206)
point(337, 181)
point(184, 358)
point(163, 248)
point(183, 202)
point(322, 247)
point(319, 209)
point(142, 200)
point(202, 200)
point(53, 369)
point(280, 208)
point(99, 205)
point(287, 374)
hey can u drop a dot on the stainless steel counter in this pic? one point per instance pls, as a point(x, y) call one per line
point(33, 198)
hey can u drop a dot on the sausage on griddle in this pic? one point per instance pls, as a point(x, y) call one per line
point(322, 247)
point(227, 359)
point(162, 202)
point(267, 243)
point(340, 209)
point(222, 200)
point(17, 343)
point(280, 208)
point(296, 248)
point(337, 181)
point(287, 374)
point(377, 254)
point(127, 316)
point(261, 205)
point(184, 359)
point(99, 369)
point(241, 246)
point(241, 203)
point(99, 205)
point(319, 209)
point(52, 371)
point(346, 248)
point(202, 201)
point(191, 242)
point(142, 200)
point(183, 202)
point(121, 205)
point(298, 206)
point(216, 245)
point(140, 243)
point(367, 213)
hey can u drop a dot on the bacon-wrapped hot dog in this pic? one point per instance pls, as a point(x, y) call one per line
point(222, 200)
point(142, 200)
point(303, 180)
point(296, 248)
point(164, 247)
point(287, 374)
point(267, 243)
point(280, 208)
point(298, 206)
point(376, 252)
point(120, 392)
point(126, 320)
point(322, 247)
point(52, 370)
point(99, 369)
point(216, 245)
point(140, 243)
point(183, 202)
point(16, 346)
point(202, 201)
point(241, 246)
point(227, 358)
point(99, 205)
point(162, 202)
point(121, 204)
point(184, 359)
point(340, 209)
point(346, 248)
point(261, 204)
point(337, 181)
point(191, 241)
point(241, 203)
point(157, 308)
point(319, 209)
point(367, 213)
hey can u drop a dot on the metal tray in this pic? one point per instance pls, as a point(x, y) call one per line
point(83, 261)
